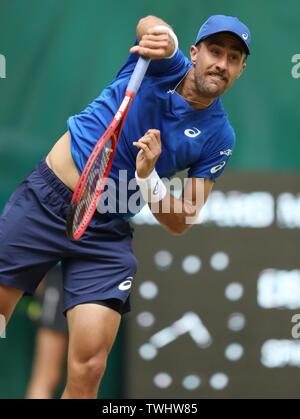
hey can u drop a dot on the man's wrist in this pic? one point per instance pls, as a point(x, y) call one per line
point(152, 187)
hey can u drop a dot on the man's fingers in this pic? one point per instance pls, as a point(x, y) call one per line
point(151, 42)
point(154, 44)
point(154, 131)
point(152, 142)
point(149, 52)
point(152, 145)
point(142, 146)
point(134, 49)
point(155, 134)
point(155, 38)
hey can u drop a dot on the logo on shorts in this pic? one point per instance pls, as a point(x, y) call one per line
point(215, 169)
point(126, 285)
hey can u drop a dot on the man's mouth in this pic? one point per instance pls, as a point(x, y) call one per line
point(217, 76)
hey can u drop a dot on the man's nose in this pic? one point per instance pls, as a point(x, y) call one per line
point(222, 63)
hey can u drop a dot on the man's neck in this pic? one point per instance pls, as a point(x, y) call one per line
point(187, 91)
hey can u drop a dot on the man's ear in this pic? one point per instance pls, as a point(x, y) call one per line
point(193, 54)
point(242, 70)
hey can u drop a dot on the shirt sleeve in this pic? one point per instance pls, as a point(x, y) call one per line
point(156, 67)
point(214, 157)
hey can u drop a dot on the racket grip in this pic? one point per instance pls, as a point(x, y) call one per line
point(138, 74)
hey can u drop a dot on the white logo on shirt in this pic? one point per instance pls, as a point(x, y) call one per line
point(227, 152)
point(192, 132)
point(218, 167)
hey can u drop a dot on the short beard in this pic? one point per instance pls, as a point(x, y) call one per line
point(206, 89)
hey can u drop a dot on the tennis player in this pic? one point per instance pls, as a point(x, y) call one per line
point(175, 122)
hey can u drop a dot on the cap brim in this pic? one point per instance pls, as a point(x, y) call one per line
point(228, 30)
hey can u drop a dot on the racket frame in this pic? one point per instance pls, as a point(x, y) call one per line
point(113, 132)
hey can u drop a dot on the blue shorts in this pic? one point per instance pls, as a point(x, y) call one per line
point(98, 267)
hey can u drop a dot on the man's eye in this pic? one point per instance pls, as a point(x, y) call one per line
point(233, 57)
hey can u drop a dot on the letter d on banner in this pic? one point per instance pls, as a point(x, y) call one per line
point(2, 326)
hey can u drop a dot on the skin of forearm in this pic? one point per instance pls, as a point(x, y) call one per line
point(173, 213)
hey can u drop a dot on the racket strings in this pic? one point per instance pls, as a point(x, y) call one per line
point(95, 176)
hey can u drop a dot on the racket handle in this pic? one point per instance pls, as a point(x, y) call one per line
point(138, 74)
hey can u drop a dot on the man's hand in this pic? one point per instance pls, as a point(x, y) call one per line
point(155, 44)
point(150, 149)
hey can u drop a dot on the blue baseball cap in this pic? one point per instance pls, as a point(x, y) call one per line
point(221, 23)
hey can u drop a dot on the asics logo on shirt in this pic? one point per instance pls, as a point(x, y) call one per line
point(192, 132)
point(218, 167)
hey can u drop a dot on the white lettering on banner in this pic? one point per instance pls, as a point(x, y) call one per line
point(296, 68)
point(279, 289)
point(288, 210)
point(296, 329)
point(2, 67)
point(236, 209)
point(277, 353)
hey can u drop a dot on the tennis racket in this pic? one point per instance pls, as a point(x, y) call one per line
point(92, 181)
